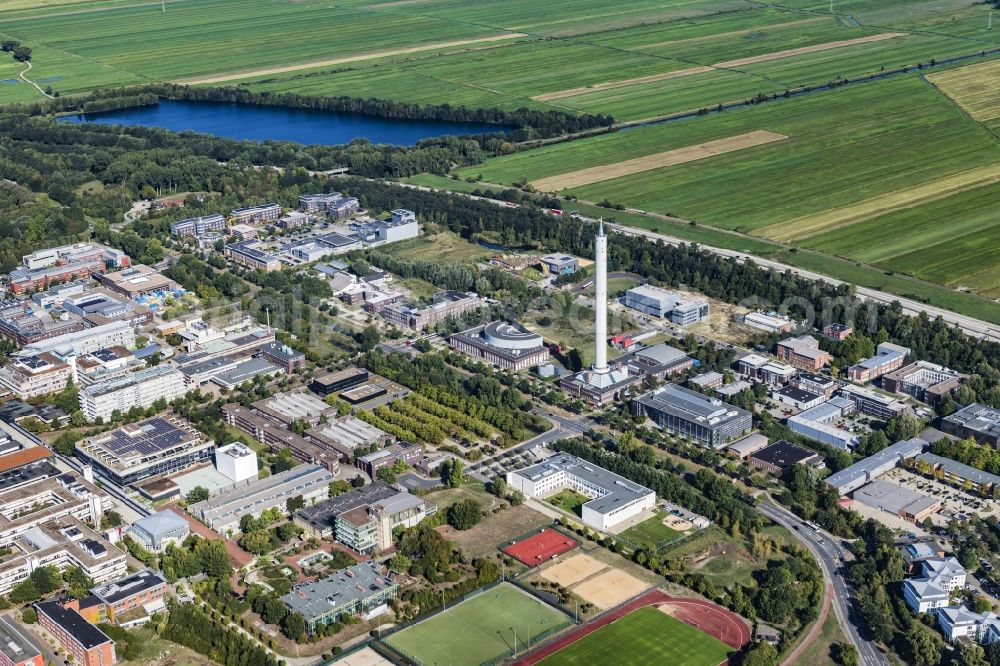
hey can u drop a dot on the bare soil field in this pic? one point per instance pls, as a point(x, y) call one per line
point(364, 657)
point(572, 570)
point(608, 589)
point(908, 197)
point(495, 530)
point(267, 71)
point(728, 64)
point(656, 161)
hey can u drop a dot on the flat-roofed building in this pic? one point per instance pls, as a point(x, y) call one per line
point(658, 361)
point(507, 346)
point(298, 406)
point(117, 598)
point(88, 645)
point(236, 462)
point(865, 471)
point(927, 382)
point(690, 312)
point(33, 376)
point(294, 219)
point(819, 423)
point(223, 511)
point(37, 492)
point(246, 254)
point(613, 498)
point(958, 473)
point(797, 398)
point(747, 446)
point(769, 322)
point(870, 401)
point(313, 203)
point(262, 213)
point(100, 306)
point(838, 332)
point(690, 414)
point(158, 530)
point(406, 452)
point(288, 359)
point(65, 263)
point(363, 589)
point(140, 282)
point(888, 357)
point(114, 334)
point(559, 264)
point(897, 500)
point(651, 300)
point(763, 369)
point(138, 451)
point(814, 383)
point(444, 304)
point(708, 380)
point(245, 371)
point(278, 437)
point(105, 364)
point(975, 420)
point(348, 434)
point(197, 226)
point(782, 456)
point(62, 543)
point(802, 352)
point(24, 327)
point(16, 649)
point(138, 389)
point(320, 518)
point(368, 529)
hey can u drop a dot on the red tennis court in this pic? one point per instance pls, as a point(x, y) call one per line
point(541, 547)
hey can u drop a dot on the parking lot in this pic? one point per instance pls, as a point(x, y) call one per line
point(953, 500)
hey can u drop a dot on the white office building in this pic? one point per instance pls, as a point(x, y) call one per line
point(139, 389)
point(613, 497)
point(236, 461)
point(117, 333)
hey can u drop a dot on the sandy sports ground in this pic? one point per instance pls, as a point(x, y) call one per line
point(657, 161)
point(594, 581)
point(810, 225)
point(572, 570)
point(608, 589)
point(677, 523)
point(728, 64)
point(219, 78)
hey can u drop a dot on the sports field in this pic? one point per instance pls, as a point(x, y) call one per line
point(647, 636)
point(479, 629)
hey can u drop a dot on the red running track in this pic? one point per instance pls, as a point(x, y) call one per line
point(711, 618)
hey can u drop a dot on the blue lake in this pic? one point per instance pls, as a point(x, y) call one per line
point(263, 123)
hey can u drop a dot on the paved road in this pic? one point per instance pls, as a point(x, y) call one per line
point(974, 327)
point(829, 553)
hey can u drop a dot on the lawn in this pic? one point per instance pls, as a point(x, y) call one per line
point(444, 247)
point(479, 629)
point(651, 532)
point(646, 636)
point(568, 500)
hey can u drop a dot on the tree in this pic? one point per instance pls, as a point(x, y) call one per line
point(456, 474)
point(762, 654)
point(197, 494)
point(369, 338)
point(387, 474)
point(845, 654)
point(293, 504)
point(257, 542)
point(399, 563)
point(499, 487)
point(294, 625)
point(29, 615)
point(339, 487)
point(465, 514)
point(924, 650)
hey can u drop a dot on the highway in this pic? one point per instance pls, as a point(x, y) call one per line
point(830, 555)
point(974, 327)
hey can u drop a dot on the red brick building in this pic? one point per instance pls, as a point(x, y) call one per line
point(89, 645)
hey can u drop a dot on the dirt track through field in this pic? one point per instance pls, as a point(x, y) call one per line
point(219, 78)
point(656, 161)
point(908, 197)
point(728, 64)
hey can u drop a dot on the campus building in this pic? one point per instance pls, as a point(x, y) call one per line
point(507, 346)
point(278, 437)
point(104, 365)
point(348, 434)
point(939, 578)
point(138, 389)
point(402, 225)
point(781, 456)
point(77, 343)
point(763, 369)
point(871, 402)
point(975, 420)
point(336, 382)
point(99, 306)
point(263, 213)
point(865, 471)
point(927, 382)
point(157, 531)
point(197, 226)
point(22, 326)
point(223, 511)
point(613, 498)
point(445, 304)
point(690, 414)
point(658, 362)
point(88, 645)
point(236, 462)
point(142, 450)
point(802, 352)
point(141, 284)
point(364, 589)
point(819, 423)
point(246, 254)
point(288, 359)
point(16, 649)
point(33, 376)
point(121, 601)
point(897, 500)
point(888, 357)
point(559, 264)
point(958, 473)
point(64, 264)
point(405, 452)
point(769, 322)
point(660, 302)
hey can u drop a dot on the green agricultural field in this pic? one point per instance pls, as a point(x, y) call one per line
point(646, 636)
point(479, 629)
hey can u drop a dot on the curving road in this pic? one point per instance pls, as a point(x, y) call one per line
point(831, 555)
